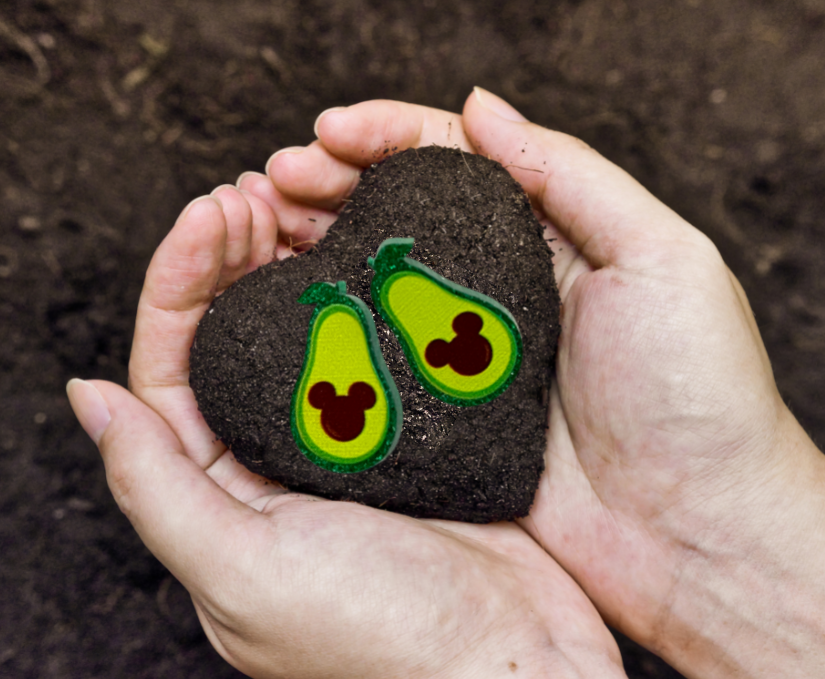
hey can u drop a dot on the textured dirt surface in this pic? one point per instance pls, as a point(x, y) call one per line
point(114, 114)
point(473, 224)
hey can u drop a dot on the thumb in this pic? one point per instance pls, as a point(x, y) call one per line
point(180, 513)
point(602, 210)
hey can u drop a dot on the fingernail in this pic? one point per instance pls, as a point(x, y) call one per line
point(329, 110)
point(89, 408)
point(200, 199)
point(291, 150)
point(498, 106)
point(222, 187)
point(244, 176)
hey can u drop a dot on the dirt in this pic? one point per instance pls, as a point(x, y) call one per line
point(471, 223)
point(113, 115)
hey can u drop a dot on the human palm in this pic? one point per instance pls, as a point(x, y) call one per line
point(656, 424)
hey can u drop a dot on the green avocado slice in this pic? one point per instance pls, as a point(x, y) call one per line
point(346, 412)
point(463, 347)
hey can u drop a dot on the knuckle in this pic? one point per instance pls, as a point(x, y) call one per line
point(577, 144)
point(122, 486)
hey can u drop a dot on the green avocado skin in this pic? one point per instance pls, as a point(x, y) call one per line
point(424, 311)
point(341, 360)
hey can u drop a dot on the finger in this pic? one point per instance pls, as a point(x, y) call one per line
point(183, 516)
point(365, 133)
point(264, 232)
point(242, 484)
point(180, 284)
point(601, 209)
point(568, 263)
point(504, 537)
point(238, 217)
point(313, 176)
point(299, 226)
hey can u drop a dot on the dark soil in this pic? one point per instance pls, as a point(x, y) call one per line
point(472, 224)
point(113, 115)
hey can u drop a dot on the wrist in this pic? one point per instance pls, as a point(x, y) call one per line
point(749, 593)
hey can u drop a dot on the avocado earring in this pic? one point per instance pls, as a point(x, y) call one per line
point(463, 347)
point(346, 410)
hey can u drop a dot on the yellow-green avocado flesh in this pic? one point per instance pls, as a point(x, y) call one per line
point(423, 308)
point(342, 351)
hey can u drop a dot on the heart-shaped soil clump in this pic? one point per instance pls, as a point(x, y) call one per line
point(403, 362)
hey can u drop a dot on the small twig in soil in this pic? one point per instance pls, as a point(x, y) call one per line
point(299, 244)
point(526, 169)
point(467, 164)
point(271, 59)
point(29, 46)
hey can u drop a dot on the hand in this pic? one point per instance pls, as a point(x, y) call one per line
point(679, 492)
point(286, 584)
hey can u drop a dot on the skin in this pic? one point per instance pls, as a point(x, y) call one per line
point(287, 585)
point(680, 494)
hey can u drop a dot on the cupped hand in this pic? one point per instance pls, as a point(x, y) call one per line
point(670, 456)
point(287, 585)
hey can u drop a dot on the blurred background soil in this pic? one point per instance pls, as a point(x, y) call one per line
point(113, 115)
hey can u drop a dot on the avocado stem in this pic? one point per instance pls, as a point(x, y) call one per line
point(390, 253)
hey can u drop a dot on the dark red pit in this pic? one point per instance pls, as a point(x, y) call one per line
point(468, 353)
point(342, 417)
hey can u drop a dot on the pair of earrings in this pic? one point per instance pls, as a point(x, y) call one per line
point(463, 347)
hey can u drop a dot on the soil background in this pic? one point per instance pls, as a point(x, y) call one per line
point(113, 115)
